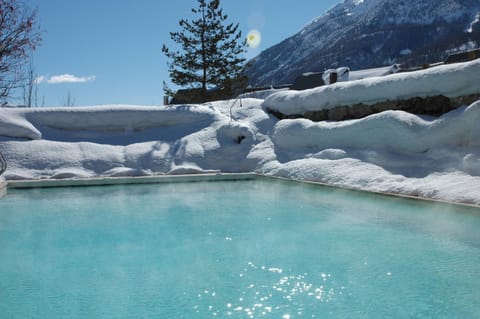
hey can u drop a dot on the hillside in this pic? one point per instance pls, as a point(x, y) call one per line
point(371, 33)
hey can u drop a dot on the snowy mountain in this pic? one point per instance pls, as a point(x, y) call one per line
point(371, 33)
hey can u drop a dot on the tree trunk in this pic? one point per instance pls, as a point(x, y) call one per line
point(204, 57)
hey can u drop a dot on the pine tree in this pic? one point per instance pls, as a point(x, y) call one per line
point(211, 53)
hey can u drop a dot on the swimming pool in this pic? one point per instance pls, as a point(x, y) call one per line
point(244, 249)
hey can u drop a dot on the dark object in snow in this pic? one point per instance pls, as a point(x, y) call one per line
point(333, 77)
point(307, 81)
point(430, 105)
point(463, 56)
point(239, 139)
point(196, 96)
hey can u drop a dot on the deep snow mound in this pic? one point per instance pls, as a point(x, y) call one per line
point(30, 123)
point(453, 80)
point(395, 131)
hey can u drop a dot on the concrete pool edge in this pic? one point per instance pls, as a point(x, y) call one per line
point(377, 193)
point(202, 177)
point(103, 181)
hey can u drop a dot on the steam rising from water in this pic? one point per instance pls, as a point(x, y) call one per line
point(235, 250)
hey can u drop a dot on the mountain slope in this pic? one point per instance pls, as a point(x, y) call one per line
point(371, 33)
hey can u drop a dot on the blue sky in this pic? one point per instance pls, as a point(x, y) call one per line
point(109, 51)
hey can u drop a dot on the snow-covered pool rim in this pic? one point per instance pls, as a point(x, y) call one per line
point(203, 177)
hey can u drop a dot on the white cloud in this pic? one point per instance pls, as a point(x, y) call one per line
point(40, 79)
point(64, 78)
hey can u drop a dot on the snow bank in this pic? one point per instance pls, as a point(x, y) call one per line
point(28, 123)
point(391, 130)
point(123, 141)
point(391, 151)
point(451, 80)
point(14, 124)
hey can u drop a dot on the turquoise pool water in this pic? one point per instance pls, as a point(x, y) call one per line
point(246, 249)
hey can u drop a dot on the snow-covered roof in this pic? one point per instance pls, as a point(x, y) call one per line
point(374, 72)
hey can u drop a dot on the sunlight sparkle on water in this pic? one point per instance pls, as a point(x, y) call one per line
point(281, 291)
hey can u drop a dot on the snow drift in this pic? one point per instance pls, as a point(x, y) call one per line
point(391, 130)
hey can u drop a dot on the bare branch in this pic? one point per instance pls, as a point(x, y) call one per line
point(19, 35)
